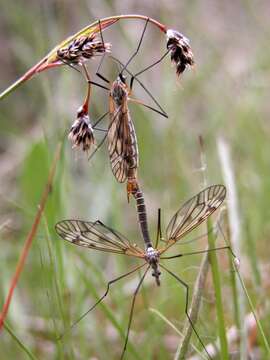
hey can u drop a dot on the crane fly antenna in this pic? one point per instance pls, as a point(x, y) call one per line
point(99, 300)
point(185, 285)
point(132, 309)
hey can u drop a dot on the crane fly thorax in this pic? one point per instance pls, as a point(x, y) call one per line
point(119, 92)
point(152, 257)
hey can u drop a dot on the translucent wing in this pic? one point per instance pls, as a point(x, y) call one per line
point(122, 143)
point(194, 212)
point(118, 145)
point(97, 236)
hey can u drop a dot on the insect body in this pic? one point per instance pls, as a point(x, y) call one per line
point(97, 236)
point(122, 140)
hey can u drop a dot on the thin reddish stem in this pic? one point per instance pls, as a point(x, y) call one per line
point(87, 98)
point(31, 235)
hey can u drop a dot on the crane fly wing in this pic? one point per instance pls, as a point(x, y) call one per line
point(96, 236)
point(193, 213)
point(122, 141)
point(118, 145)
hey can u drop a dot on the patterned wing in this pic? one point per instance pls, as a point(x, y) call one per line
point(119, 140)
point(118, 147)
point(194, 212)
point(96, 236)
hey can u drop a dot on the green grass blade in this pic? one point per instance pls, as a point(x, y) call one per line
point(262, 333)
point(224, 352)
point(19, 342)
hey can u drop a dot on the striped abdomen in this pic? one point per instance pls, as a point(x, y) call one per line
point(142, 216)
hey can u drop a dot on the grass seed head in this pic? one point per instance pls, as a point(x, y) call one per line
point(82, 49)
point(181, 53)
point(81, 132)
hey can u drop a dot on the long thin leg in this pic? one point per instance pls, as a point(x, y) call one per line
point(147, 106)
point(86, 73)
point(196, 238)
point(99, 119)
point(72, 66)
point(89, 79)
point(99, 85)
point(138, 47)
point(101, 298)
point(158, 228)
point(100, 129)
point(136, 101)
point(104, 137)
point(199, 252)
point(131, 311)
point(102, 58)
point(98, 147)
point(144, 87)
point(147, 68)
point(186, 307)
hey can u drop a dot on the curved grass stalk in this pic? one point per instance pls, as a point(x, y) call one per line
point(51, 60)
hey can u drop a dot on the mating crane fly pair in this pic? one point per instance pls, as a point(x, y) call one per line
point(121, 135)
point(97, 236)
point(123, 152)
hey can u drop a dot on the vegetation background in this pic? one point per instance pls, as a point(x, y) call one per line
point(226, 96)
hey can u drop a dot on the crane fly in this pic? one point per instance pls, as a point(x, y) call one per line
point(122, 139)
point(97, 236)
point(121, 135)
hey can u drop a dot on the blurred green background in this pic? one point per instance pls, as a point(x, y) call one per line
point(225, 96)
